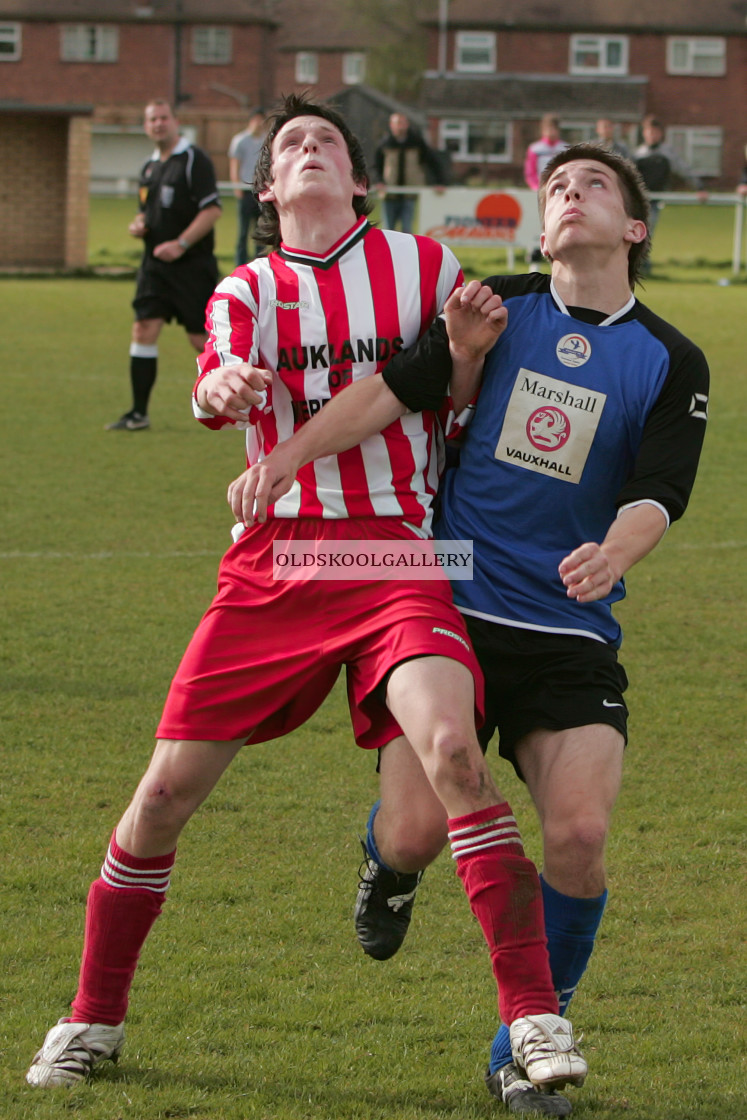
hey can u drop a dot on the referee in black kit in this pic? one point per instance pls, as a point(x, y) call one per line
point(179, 205)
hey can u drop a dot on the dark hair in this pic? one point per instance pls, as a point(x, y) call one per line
point(632, 188)
point(299, 105)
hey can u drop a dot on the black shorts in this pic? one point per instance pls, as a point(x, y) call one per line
point(179, 290)
point(538, 680)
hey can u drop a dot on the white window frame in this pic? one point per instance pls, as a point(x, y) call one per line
point(693, 145)
point(11, 35)
point(454, 129)
point(475, 41)
point(212, 45)
point(307, 68)
point(695, 49)
point(89, 42)
point(353, 68)
point(599, 44)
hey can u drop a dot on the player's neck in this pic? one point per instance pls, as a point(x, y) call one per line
point(602, 289)
point(315, 231)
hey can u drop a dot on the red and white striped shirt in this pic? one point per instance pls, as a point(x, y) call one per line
point(320, 322)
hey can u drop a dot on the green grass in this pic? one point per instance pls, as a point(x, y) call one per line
point(253, 999)
point(691, 242)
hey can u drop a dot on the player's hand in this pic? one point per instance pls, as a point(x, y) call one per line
point(252, 492)
point(587, 574)
point(231, 391)
point(475, 320)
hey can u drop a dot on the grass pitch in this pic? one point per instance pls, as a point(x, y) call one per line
point(253, 999)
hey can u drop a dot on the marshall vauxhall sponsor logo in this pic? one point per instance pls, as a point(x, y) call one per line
point(568, 395)
point(549, 425)
point(548, 429)
point(573, 350)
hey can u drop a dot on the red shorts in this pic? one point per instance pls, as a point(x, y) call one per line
point(268, 651)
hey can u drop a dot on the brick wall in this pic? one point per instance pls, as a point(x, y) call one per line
point(44, 193)
point(144, 69)
point(77, 194)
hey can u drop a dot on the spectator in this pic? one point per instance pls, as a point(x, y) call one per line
point(659, 164)
point(242, 158)
point(403, 159)
point(538, 155)
point(605, 131)
point(179, 205)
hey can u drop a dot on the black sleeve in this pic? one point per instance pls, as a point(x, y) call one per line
point(673, 434)
point(203, 185)
point(419, 376)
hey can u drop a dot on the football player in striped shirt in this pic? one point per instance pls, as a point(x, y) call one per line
point(329, 306)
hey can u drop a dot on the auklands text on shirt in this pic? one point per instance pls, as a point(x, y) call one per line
point(326, 355)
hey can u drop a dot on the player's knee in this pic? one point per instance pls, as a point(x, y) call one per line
point(455, 760)
point(412, 845)
point(163, 807)
point(579, 840)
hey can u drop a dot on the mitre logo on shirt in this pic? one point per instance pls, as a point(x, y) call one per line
point(549, 426)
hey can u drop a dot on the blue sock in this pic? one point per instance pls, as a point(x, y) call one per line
point(373, 851)
point(571, 925)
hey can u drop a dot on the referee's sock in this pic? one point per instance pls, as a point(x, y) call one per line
point(143, 371)
point(571, 925)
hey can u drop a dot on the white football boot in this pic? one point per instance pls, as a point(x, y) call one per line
point(543, 1046)
point(71, 1050)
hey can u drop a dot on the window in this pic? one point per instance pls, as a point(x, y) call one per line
point(211, 46)
point(703, 57)
point(353, 68)
point(475, 51)
point(10, 42)
point(599, 54)
point(700, 148)
point(487, 141)
point(82, 42)
point(307, 67)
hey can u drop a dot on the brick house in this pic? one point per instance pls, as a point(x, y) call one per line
point(494, 70)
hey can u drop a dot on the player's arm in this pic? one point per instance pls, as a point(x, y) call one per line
point(660, 484)
point(475, 319)
point(356, 412)
point(231, 382)
point(592, 570)
point(415, 380)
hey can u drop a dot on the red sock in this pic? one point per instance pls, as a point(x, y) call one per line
point(122, 907)
point(504, 892)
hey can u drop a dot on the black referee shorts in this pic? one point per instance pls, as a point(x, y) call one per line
point(178, 290)
point(538, 680)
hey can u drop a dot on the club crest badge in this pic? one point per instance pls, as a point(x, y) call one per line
point(573, 350)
